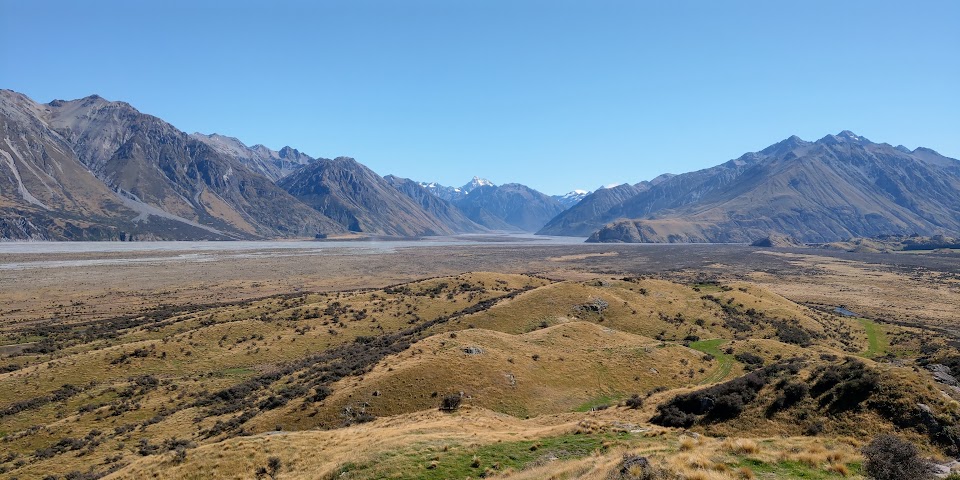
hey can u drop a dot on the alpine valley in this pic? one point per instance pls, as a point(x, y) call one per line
point(93, 169)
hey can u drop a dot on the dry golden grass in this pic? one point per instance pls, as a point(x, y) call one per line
point(542, 358)
point(552, 370)
point(839, 469)
point(687, 444)
point(741, 446)
point(873, 290)
point(322, 454)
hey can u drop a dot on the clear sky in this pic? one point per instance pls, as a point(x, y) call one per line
point(554, 94)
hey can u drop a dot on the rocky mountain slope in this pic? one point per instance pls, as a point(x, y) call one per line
point(838, 187)
point(108, 171)
point(509, 207)
point(94, 169)
point(582, 218)
point(45, 192)
point(362, 201)
point(272, 164)
point(445, 211)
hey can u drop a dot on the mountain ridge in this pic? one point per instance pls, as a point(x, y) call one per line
point(106, 171)
point(510, 207)
point(838, 187)
point(274, 164)
point(96, 169)
point(362, 201)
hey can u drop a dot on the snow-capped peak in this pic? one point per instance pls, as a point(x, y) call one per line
point(572, 198)
point(477, 182)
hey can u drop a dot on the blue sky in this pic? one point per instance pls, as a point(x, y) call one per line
point(554, 94)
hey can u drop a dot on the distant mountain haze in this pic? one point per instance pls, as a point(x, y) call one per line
point(509, 207)
point(436, 206)
point(453, 194)
point(362, 201)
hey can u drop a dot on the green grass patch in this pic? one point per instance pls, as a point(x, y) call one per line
point(724, 360)
point(708, 287)
point(434, 463)
point(793, 469)
point(602, 400)
point(237, 371)
point(876, 339)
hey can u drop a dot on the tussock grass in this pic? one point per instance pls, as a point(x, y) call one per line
point(524, 365)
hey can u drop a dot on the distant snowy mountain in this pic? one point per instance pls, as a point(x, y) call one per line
point(475, 183)
point(444, 192)
point(453, 194)
point(572, 198)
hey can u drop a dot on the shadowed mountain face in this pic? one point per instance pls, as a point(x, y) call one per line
point(110, 171)
point(272, 164)
point(360, 200)
point(840, 186)
point(509, 207)
point(581, 219)
point(441, 209)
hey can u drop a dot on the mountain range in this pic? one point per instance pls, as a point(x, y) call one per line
point(93, 169)
point(454, 194)
point(838, 187)
point(362, 201)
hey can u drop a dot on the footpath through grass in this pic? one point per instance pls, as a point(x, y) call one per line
point(876, 339)
point(724, 360)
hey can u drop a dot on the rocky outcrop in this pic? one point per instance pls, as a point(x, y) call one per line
point(776, 241)
point(272, 164)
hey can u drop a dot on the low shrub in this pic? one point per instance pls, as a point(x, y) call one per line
point(719, 402)
point(451, 403)
point(889, 457)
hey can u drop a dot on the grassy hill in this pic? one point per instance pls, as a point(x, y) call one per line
point(551, 377)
